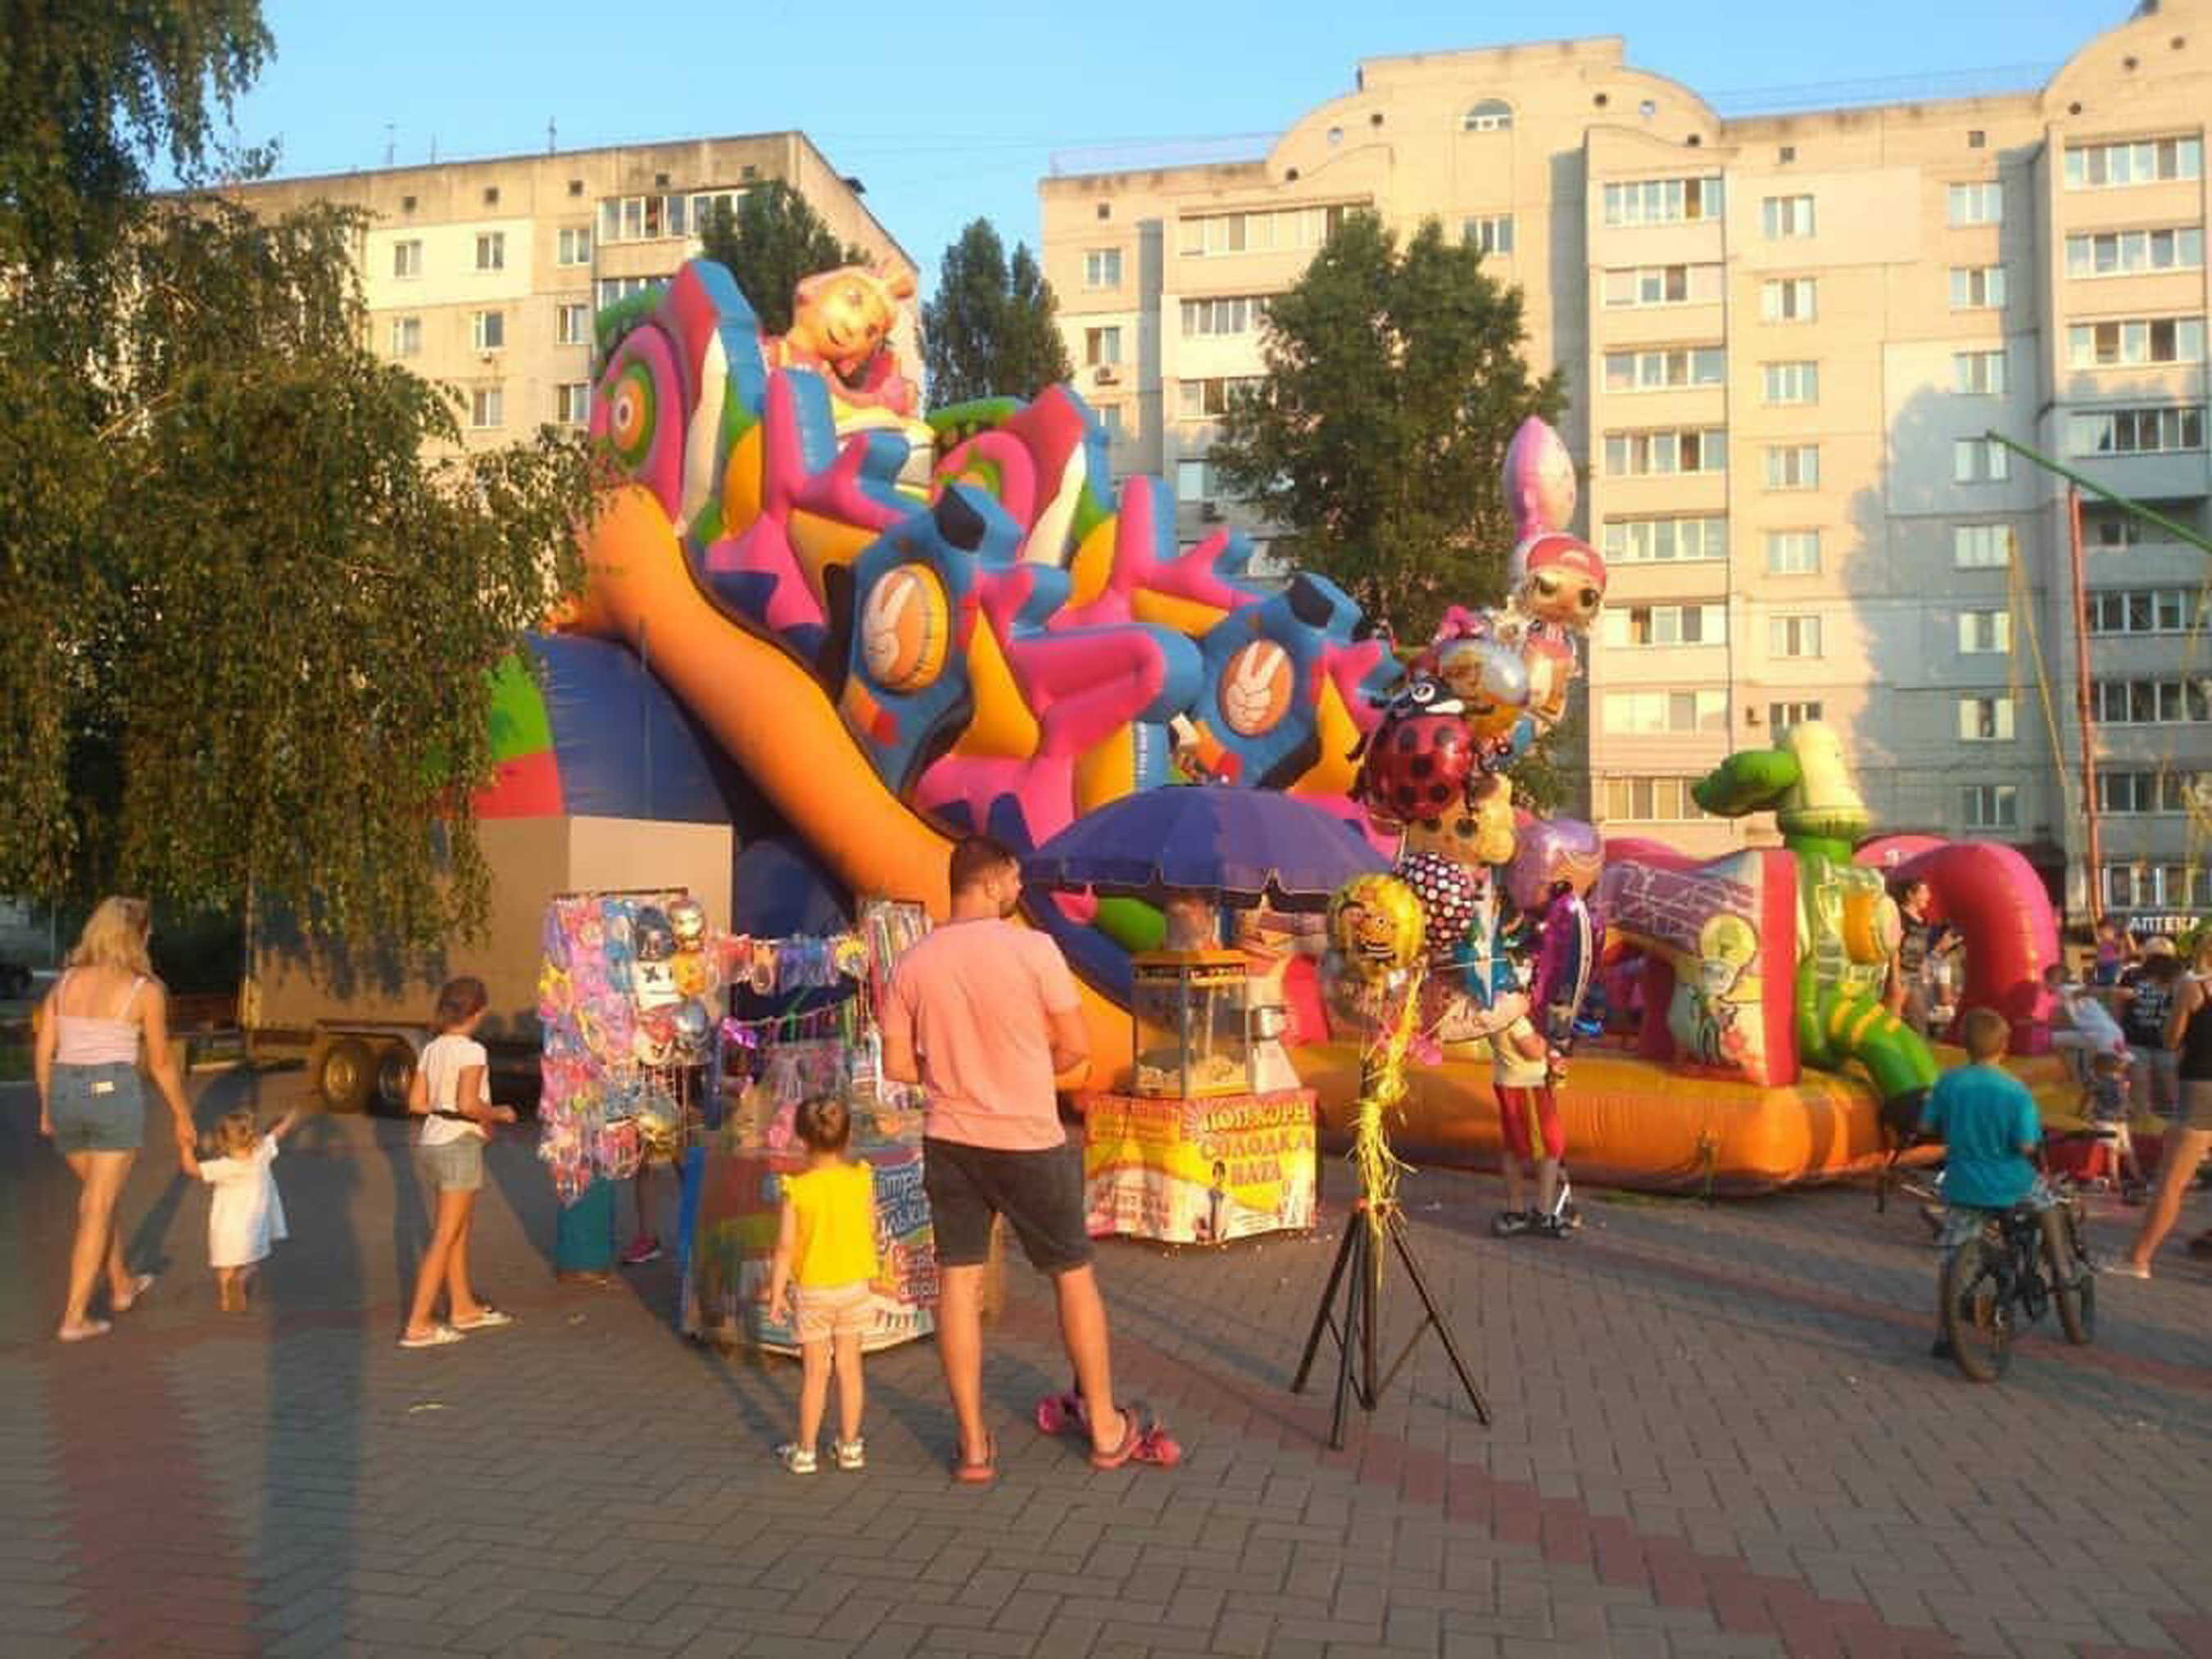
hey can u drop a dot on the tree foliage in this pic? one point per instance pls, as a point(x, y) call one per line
point(1377, 438)
point(255, 587)
point(990, 330)
point(771, 242)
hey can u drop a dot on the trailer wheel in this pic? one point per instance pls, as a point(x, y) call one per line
point(395, 1075)
point(346, 1080)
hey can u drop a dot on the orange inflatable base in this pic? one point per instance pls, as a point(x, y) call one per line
point(1635, 1124)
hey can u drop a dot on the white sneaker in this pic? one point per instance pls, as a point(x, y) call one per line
point(796, 1458)
point(852, 1454)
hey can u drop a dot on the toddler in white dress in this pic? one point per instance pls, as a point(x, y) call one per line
point(247, 1216)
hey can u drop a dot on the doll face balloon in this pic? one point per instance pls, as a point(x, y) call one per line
point(1564, 580)
point(686, 920)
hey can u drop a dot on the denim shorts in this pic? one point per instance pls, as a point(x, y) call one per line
point(452, 1166)
point(98, 1109)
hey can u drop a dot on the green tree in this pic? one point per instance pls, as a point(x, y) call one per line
point(255, 589)
point(990, 330)
point(770, 243)
point(1376, 440)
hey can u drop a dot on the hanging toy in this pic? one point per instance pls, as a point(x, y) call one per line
point(687, 920)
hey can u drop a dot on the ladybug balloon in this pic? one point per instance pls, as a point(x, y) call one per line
point(1419, 761)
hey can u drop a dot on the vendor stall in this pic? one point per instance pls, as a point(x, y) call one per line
point(1198, 1171)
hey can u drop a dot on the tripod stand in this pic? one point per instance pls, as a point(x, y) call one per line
point(1355, 1327)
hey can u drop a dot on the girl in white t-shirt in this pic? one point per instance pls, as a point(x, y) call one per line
point(448, 1095)
point(245, 1216)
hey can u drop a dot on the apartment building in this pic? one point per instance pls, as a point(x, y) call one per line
point(1783, 338)
point(485, 276)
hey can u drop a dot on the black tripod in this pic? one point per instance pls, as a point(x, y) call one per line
point(1362, 1295)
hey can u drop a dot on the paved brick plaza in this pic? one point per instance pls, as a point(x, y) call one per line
point(1719, 1433)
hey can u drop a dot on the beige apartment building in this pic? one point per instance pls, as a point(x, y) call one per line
point(485, 276)
point(1783, 338)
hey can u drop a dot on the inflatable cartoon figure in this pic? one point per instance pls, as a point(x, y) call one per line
point(842, 319)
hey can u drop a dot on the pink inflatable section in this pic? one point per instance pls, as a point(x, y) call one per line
point(1994, 897)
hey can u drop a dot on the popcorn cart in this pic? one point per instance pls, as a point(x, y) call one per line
point(1189, 1027)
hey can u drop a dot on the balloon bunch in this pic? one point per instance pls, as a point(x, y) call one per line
point(1378, 951)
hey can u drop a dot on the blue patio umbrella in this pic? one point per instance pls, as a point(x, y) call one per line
point(1242, 845)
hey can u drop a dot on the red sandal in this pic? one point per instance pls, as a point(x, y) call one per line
point(981, 1474)
point(1144, 1439)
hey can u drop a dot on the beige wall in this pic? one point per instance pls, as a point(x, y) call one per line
point(1888, 593)
point(444, 208)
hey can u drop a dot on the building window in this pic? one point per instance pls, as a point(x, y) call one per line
point(491, 250)
point(1665, 370)
point(1490, 233)
point(1791, 383)
point(1109, 417)
point(1193, 481)
point(1990, 805)
point(1979, 460)
point(572, 403)
point(407, 259)
point(2124, 252)
point(1786, 217)
point(1793, 552)
point(706, 205)
point(1205, 399)
point(1665, 541)
point(1280, 229)
point(1985, 719)
point(486, 408)
point(1780, 716)
point(2141, 794)
point(1789, 299)
point(2134, 343)
point(645, 218)
point(1101, 268)
point(1667, 624)
point(1652, 714)
point(1662, 201)
point(1793, 635)
point(1663, 285)
point(1491, 115)
point(1793, 466)
point(2157, 887)
point(1981, 203)
point(1647, 454)
point(2136, 431)
point(614, 288)
point(1984, 632)
point(2108, 527)
point(2145, 161)
point(1650, 800)
point(2150, 702)
point(406, 336)
point(1230, 314)
point(2143, 610)
point(1101, 345)
point(573, 246)
point(1980, 546)
point(572, 324)
point(1978, 288)
point(1978, 373)
point(488, 329)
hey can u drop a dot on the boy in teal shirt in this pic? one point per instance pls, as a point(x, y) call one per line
point(1988, 1124)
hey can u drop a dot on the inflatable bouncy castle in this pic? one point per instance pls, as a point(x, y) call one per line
point(854, 631)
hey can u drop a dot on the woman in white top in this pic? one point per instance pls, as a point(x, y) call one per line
point(448, 1095)
point(92, 1102)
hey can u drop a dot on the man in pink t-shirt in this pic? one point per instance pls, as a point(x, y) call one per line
point(984, 1014)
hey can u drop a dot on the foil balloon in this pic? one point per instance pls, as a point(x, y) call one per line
point(651, 937)
point(1562, 581)
point(693, 1028)
point(1450, 897)
point(1552, 851)
point(686, 920)
point(1417, 765)
point(1540, 479)
point(693, 973)
point(660, 1129)
point(1376, 925)
point(1489, 679)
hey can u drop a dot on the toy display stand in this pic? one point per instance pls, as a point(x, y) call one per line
point(1203, 1171)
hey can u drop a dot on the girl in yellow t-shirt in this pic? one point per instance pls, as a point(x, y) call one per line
point(825, 1258)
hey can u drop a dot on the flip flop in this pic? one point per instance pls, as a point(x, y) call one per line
point(2126, 1269)
point(86, 1332)
point(437, 1337)
point(966, 1474)
point(1144, 1439)
point(139, 1284)
point(489, 1319)
point(1062, 1413)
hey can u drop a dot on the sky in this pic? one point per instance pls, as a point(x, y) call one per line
point(951, 112)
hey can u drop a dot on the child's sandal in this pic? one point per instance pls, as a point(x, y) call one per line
point(852, 1454)
point(795, 1458)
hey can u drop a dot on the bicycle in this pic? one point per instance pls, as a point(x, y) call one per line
point(2006, 1269)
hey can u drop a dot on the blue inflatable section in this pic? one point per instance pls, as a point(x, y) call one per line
point(627, 750)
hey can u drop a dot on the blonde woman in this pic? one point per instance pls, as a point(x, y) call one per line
point(92, 1098)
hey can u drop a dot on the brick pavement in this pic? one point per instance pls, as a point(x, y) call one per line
point(1718, 1433)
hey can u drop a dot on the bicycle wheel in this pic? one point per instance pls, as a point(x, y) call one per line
point(1976, 1313)
point(2072, 1286)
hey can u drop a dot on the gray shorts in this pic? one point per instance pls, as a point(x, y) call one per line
point(452, 1166)
point(98, 1109)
